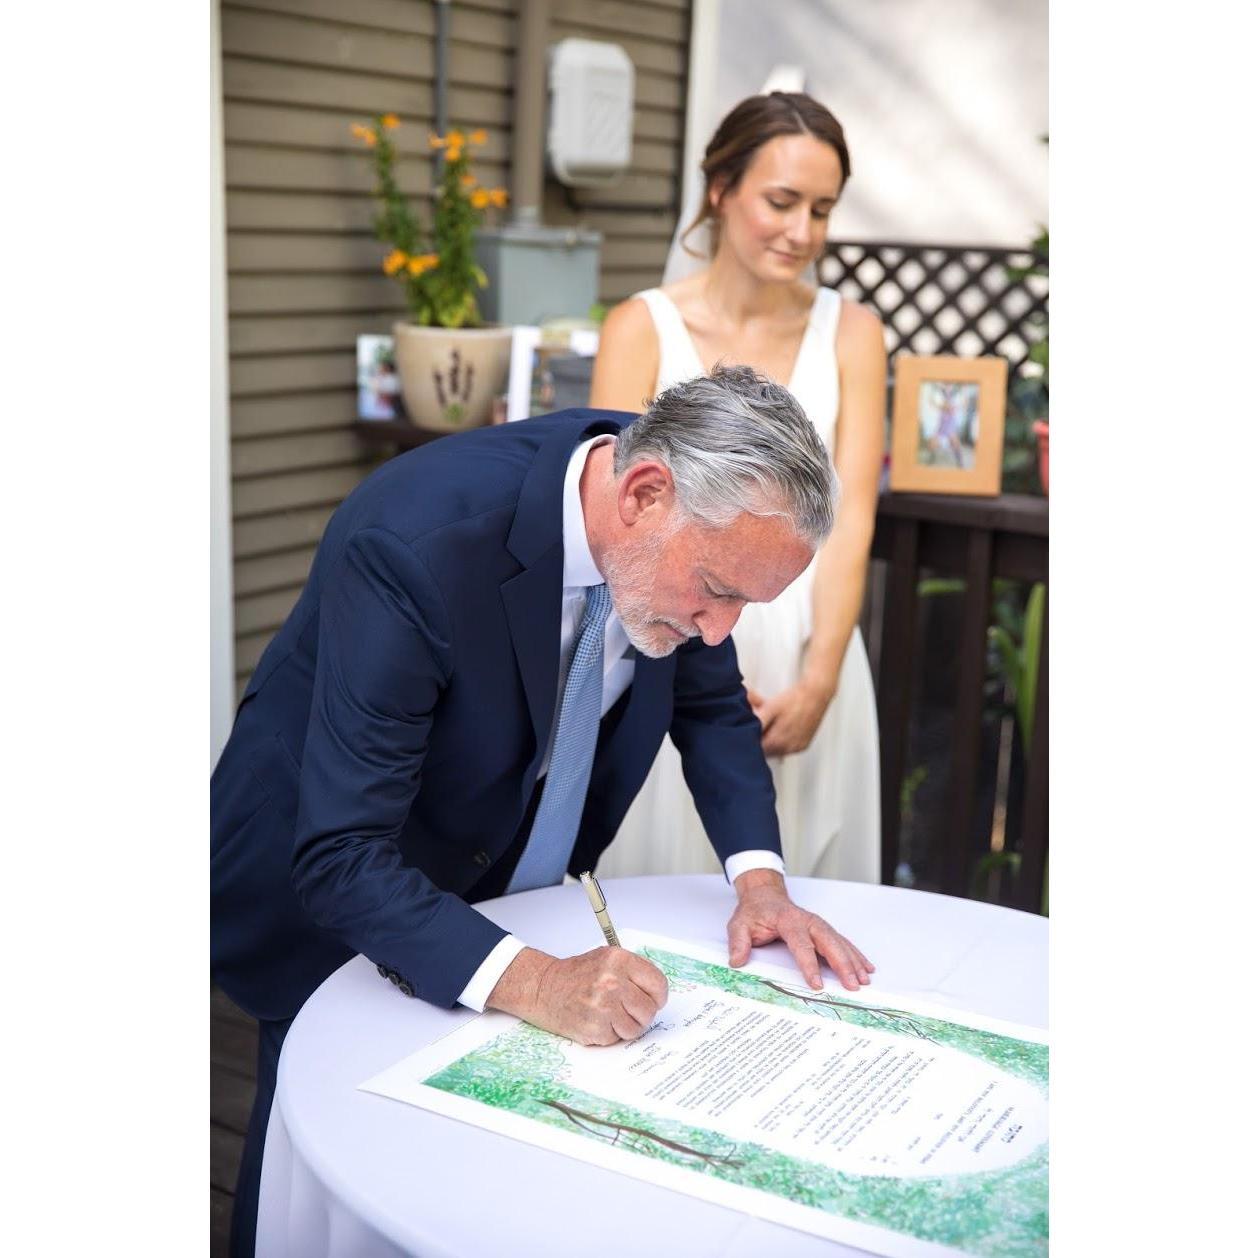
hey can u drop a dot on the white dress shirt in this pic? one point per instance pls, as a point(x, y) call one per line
point(579, 573)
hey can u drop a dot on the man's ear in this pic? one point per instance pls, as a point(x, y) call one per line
point(645, 493)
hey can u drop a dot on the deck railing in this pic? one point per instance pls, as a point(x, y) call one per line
point(968, 300)
point(976, 540)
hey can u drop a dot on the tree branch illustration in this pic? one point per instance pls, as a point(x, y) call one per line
point(893, 1016)
point(589, 1123)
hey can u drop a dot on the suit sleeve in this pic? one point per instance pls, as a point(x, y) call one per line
point(384, 659)
point(718, 737)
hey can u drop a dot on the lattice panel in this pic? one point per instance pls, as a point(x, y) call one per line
point(943, 299)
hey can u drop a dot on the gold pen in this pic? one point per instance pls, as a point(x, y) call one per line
point(599, 904)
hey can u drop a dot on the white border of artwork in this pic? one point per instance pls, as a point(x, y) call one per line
point(524, 340)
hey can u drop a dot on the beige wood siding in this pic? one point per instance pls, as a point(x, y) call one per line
point(303, 267)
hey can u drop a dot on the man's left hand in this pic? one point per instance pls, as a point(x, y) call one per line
point(765, 912)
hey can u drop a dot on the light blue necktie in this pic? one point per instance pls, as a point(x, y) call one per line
point(545, 858)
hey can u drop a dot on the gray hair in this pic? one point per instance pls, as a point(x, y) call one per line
point(736, 442)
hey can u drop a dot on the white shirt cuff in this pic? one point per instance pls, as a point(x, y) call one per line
point(756, 858)
point(490, 970)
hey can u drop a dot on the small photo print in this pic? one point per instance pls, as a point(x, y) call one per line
point(379, 389)
point(947, 423)
point(941, 404)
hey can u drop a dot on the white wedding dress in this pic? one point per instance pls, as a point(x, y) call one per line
point(827, 795)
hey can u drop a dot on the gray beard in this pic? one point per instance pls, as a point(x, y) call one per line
point(630, 576)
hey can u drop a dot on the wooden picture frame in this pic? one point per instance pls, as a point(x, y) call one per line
point(948, 425)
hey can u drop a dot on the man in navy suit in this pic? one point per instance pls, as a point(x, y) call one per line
point(393, 748)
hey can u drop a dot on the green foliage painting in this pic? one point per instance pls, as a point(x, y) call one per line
point(1000, 1212)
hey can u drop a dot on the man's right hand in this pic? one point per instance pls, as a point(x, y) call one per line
point(599, 997)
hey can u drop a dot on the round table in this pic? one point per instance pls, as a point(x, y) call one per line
point(350, 1173)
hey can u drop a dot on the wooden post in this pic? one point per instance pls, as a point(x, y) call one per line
point(967, 730)
point(895, 684)
point(1029, 886)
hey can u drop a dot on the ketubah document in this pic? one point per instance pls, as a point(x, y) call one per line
point(861, 1117)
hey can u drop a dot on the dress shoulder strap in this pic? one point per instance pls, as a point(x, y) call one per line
point(678, 358)
point(664, 314)
point(825, 316)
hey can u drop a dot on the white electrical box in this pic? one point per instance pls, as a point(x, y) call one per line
point(590, 137)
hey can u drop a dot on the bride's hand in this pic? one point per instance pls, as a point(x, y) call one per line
point(790, 718)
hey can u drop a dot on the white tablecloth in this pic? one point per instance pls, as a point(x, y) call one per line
point(350, 1175)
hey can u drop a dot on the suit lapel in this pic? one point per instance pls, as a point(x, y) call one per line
point(532, 601)
point(532, 598)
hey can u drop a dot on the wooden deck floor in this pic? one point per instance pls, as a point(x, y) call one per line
point(233, 1066)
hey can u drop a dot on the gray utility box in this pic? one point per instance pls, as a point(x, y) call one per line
point(537, 273)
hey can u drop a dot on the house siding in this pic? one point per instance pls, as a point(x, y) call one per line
point(303, 266)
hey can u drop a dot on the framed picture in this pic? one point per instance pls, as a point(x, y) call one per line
point(379, 388)
point(948, 425)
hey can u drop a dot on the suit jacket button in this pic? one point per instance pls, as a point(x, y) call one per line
point(382, 970)
point(482, 858)
point(405, 988)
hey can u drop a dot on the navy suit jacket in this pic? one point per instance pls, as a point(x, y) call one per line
point(387, 746)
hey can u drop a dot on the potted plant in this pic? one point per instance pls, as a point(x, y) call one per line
point(451, 364)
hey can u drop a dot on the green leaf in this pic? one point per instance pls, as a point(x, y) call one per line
point(1010, 663)
point(1030, 663)
point(1008, 619)
point(928, 587)
point(908, 788)
point(989, 864)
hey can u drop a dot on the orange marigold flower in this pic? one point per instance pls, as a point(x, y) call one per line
point(480, 198)
point(498, 196)
point(456, 137)
point(394, 262)
point(366, 134)
point(425, 262)
point(468, 180)
point(390, 121)
point(478, 137)
point(454, 151)
point(436, 141)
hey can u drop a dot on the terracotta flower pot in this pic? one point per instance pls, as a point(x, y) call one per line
point(450, 376)
point(1040, 428)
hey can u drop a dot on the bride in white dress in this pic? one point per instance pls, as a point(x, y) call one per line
point(773, 172)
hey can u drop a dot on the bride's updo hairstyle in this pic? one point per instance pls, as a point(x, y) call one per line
point(750, 124)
